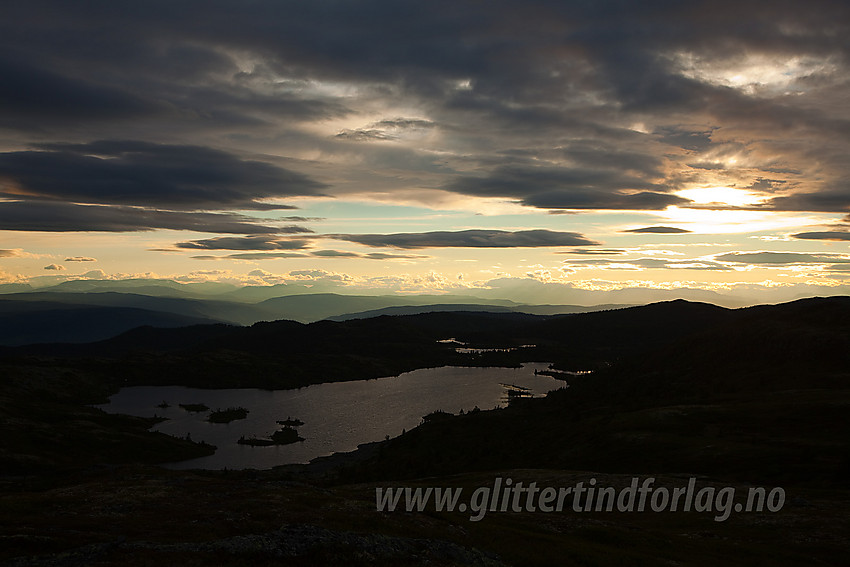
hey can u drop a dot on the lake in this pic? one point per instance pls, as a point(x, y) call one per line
point(337, 416)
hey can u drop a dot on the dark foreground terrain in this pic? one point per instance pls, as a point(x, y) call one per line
point(740, 398)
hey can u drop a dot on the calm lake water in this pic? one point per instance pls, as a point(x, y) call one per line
point(337, 416)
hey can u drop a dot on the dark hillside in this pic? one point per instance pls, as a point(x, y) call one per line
point(81, 323)
point(764, 394)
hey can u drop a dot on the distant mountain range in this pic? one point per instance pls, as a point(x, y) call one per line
point(472, 307)
point(82, 311)
point(285, 353)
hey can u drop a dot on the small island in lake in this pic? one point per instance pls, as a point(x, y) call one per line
point(284, 436)
point(290, 422)
point(227, 415)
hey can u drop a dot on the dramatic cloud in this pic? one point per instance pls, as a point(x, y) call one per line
point(57, 267)
point(141, 173)
point(780, 258)
point(578, 187)
point(301, 219)
point(314, 254)
point(835, 235)
point(29, 93)
point(51, 216)
point(658, 230)
point(334, 254)
point(255, 242)
point(649, 264)
point(585, 106)
point(595, 251)
point(413, 119)
point(80, 259)
point(686, 139)
point(469, 239)
point(253, 256)
point(404, 124)
point(827, 200)
point(385, 256)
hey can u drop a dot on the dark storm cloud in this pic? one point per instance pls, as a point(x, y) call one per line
point(31, 95)
point(469, 239)
point(334, 254)
point(254, 242)
point(830, 200)
point(258, 94)
point(424, 46)
point(781, 170)
point(659, 230)
point(133, 68)
point(780, 258)
point(632, 46)
point(294, 229)
point(595, 251)
point(385, 256)
point(315, 254)
point(405, 124)
point(607, 157)
point(370, 256)
point(164, 42)
point(53, 216)
point(589, 199)
point(253, 256)
point(835, 235)
point(568, 188)
point(686, 139)
point(141, 173)
point(301, 219)
point(683, 265)
point(768, 185)
point(707, 166)
point(264, 255)
point(651, 80)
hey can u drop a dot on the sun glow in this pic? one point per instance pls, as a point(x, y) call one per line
point(724, 196)
point(707, 221)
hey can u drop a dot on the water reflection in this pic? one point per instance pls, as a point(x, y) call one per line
point(337, 416)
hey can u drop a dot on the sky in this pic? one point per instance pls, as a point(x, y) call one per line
point(538, 150)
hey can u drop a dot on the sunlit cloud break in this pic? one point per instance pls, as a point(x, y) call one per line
point(341, 134)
